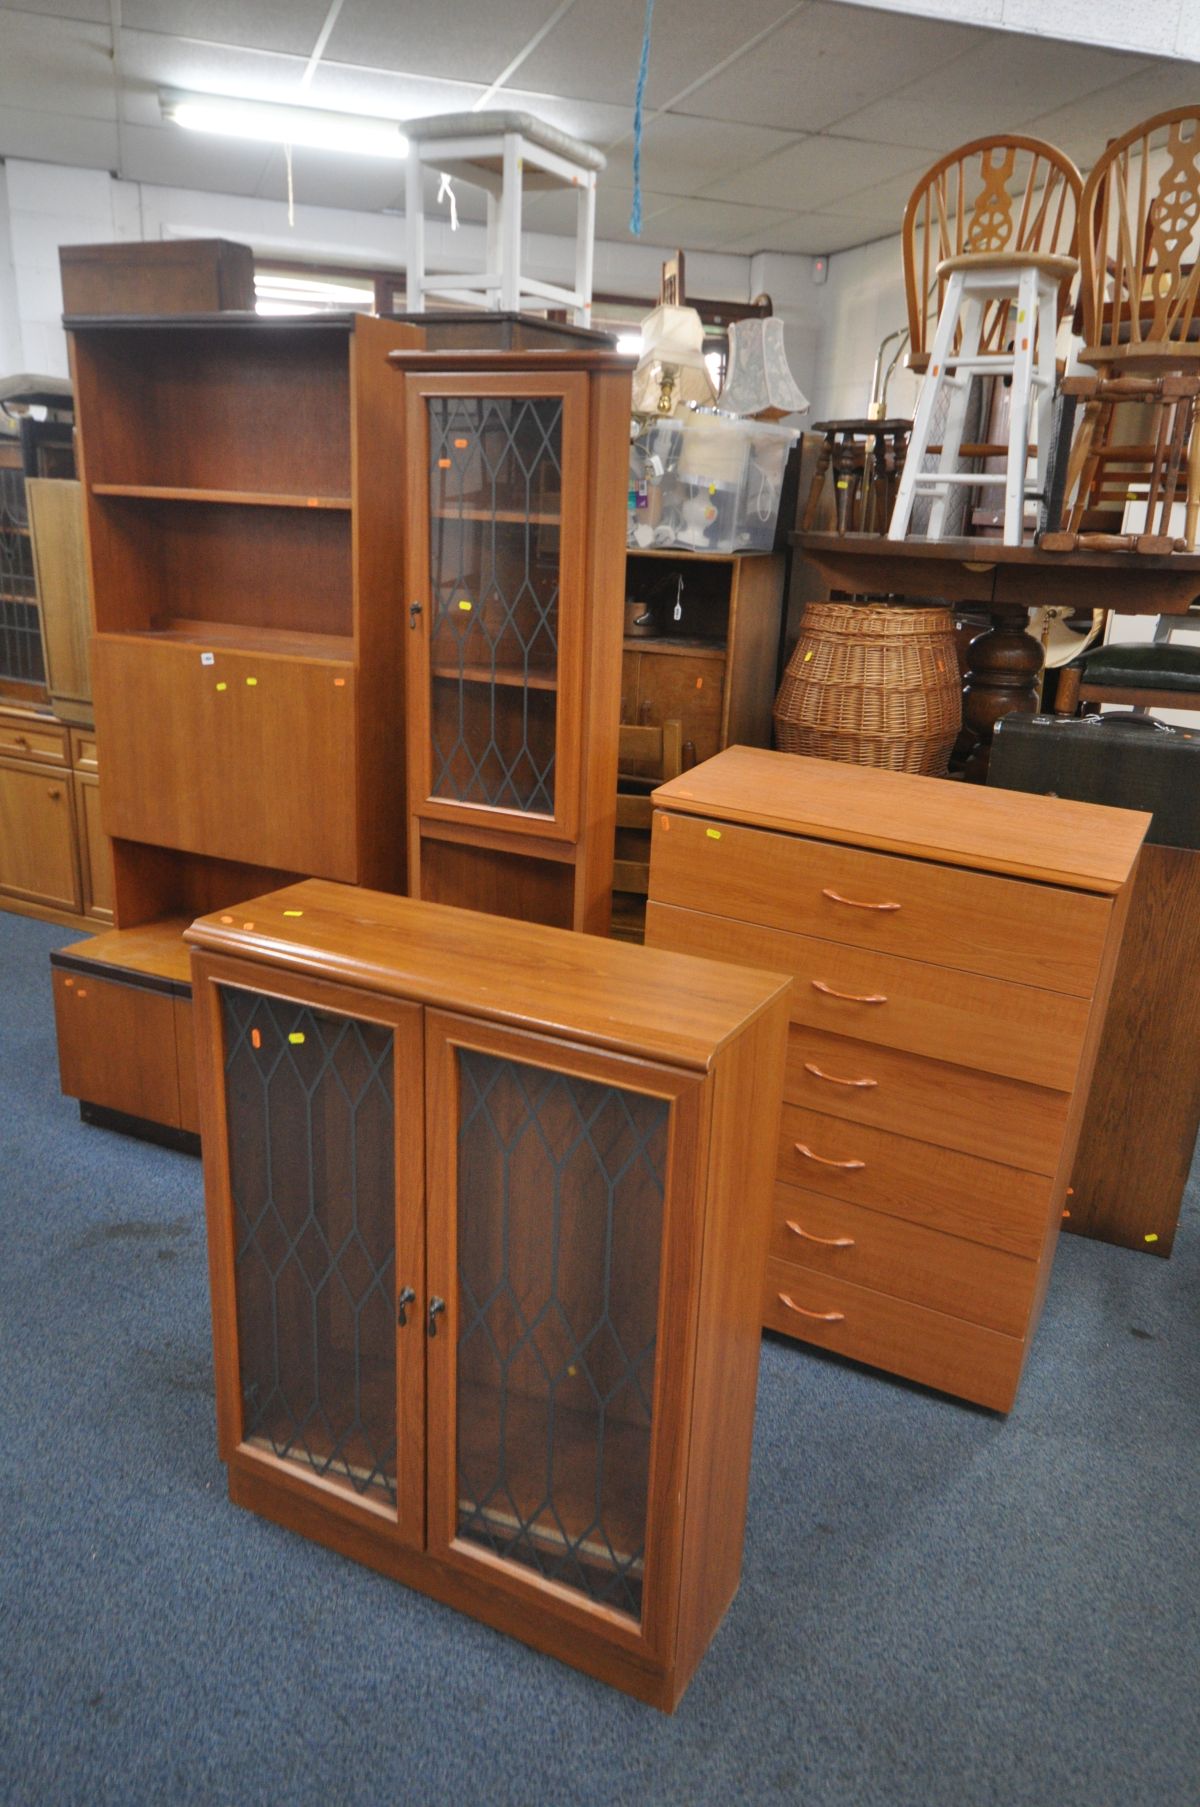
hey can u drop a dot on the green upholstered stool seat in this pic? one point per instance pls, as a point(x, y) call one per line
point(1141, 667)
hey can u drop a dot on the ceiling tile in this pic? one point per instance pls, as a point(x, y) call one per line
point(810, 234)
point(886, 201)
point(1153, 28)
point(997, 86)
point(150, 61)
point(1083, 127)
point(456, 38)
point(594, 50)
point(827, 62)
point(95, 12)
point(343, 89)
point(818, 171)
point(683, 156)
point(556, 213)
point(171, 158)
point(285, 25)
point(707, 225)
point(55, 65)
point(44, 137)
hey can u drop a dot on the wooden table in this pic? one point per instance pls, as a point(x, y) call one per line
point(1005, 661)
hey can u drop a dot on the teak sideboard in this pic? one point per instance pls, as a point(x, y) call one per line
point(488, 1207)
point(952, 951)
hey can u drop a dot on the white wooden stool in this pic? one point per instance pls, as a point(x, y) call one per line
point(501, 153)
point(1029, 282)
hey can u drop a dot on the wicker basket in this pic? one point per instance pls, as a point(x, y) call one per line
point(872, 685)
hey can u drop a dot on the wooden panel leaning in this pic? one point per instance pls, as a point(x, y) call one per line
point(951, 970)
point(529, 1389)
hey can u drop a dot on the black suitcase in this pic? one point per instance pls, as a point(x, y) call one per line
point(1129, 761)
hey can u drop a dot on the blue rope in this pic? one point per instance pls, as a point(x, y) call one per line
point(635, 217)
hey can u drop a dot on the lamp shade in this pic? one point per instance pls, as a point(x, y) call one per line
point(758, 380)
point(672, 353)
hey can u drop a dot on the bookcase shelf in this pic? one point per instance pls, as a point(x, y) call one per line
point(247, 498)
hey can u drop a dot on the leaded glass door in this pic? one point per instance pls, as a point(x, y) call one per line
point(497, 510)
point(556, 1347)
point(319, 1232)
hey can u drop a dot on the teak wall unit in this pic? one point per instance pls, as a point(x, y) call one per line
point(952, 952)
point(515, 511)
point(247, 658)
point(488, 1207)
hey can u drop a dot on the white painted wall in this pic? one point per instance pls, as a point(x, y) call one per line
point(1153, 27)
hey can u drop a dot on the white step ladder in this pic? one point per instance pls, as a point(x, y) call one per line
point(1030, 283)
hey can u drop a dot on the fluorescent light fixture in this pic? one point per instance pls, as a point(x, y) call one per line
point(270, 123)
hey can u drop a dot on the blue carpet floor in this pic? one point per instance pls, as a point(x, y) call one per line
point(937, 1606)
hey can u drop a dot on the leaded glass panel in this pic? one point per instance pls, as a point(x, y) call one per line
point(21, 657)
point(495, 492)
point(560, 1205)
point(309, 1108)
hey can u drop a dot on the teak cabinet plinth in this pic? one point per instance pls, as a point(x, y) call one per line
point(517, 468)
point(488, 1207)
point(952, 952)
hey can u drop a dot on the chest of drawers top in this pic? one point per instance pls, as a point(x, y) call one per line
point(1080, 846)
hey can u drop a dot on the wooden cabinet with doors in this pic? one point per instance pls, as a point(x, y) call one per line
point(245, 580)
point(515, 512)
point(487, 1210)
point(38, 863)
point(951, 959)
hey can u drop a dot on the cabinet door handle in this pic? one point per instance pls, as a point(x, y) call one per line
point(436, 1305)
point(832, 1078)
point(414, 609)
point(822, 1317)
point(849, 997)
point(19, 740)
point(854, 903)
point(806, 1151)
point(826, 1242)
point(407, 1297)
point(54, 792)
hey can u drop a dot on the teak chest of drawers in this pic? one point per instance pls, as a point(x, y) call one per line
point(487, 1214)
point(951, 962)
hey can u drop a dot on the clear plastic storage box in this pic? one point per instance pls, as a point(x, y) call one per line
point(708, 482)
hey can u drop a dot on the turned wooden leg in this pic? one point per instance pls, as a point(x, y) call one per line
point(1081, 467)
point(816, 487)
point(1004, 664)
point(1191, 518)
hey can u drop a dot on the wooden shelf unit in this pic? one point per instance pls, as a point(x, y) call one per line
point(558, 1446)
point(247, 653)
point(952, 958)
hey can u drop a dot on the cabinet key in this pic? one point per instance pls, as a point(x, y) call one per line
point(407, 1296)
point(435, 1306)
point(414, 609)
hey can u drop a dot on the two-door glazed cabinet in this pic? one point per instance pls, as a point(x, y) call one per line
point(488, 1207)
point(515, 525)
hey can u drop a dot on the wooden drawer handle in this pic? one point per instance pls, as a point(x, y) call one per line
point(19, 740)
point(826, 1242)
point(833, 1079)
point(848, 997)
point(806, 1151)
point(853, 902)
point(55, 792)
point(822, 1317)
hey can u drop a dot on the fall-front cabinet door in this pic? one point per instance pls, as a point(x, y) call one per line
point(562, 1233)
point(313, 1130)
point(497, 517)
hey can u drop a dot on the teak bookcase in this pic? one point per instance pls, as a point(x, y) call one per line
point(952, 952)
point(247, 659)
point(488, 1207)
point(516, 493)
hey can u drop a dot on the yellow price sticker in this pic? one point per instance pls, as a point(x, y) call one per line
point(464, 605)
point(714, 834)
point(297, 1035)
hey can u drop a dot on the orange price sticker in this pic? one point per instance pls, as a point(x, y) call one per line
point(247, 925)
point(699, 683)
point(82, 992)
point(339, 683)
point(255, 1039)
point(68, 981)
point(443, 464)
point(461, 444)
point(313, 502)
point(227, 919)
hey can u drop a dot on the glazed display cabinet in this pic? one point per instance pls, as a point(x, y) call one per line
point(488, 1208)
point(514, 572)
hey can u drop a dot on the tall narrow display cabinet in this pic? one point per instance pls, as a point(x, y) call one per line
point(517, 473)
point(244, 566)
point(487, 1218)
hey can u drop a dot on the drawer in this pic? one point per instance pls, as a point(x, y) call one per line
point(931, 1347)
point(84, 754)
point(930, 1100)
point(959, 1017)
point(958, 1194)
point(117, 1046)
point(41, 742)
point(869, 1248)
point(949, 916)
